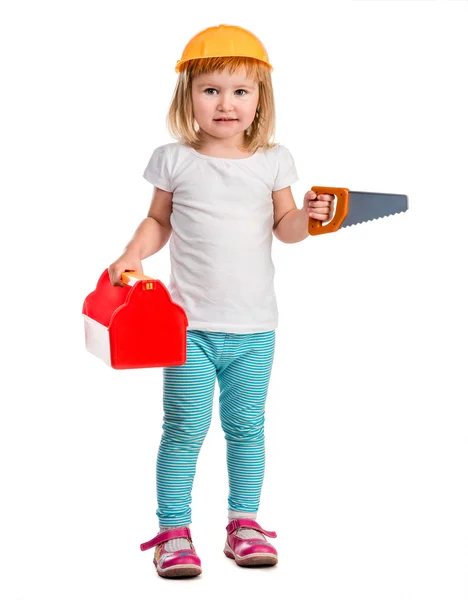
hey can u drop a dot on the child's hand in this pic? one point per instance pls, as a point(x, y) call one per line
point(127, 262)
point(319, 207)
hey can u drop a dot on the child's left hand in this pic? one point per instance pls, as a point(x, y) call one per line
point(319, 207)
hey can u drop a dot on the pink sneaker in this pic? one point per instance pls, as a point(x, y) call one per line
point(251, 551)
point(181, 563)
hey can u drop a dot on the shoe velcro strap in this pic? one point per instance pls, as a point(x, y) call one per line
point(249, 524)
point(164, 536)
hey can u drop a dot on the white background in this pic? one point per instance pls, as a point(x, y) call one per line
point(366, 481)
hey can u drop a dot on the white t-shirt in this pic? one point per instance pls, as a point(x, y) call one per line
point(220, 248)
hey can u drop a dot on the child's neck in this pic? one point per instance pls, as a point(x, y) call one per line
point(228, 148)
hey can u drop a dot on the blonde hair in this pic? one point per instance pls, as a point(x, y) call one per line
point(180, 119)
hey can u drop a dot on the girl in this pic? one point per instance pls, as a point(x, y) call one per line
point(220, 192)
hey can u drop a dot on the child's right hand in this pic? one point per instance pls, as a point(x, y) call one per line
point(126, 262)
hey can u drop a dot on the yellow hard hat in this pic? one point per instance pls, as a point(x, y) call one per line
point(224, 40)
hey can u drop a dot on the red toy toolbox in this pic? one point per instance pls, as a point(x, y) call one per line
point(135, 326)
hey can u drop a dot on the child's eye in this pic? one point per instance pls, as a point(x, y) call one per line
point(213, 90)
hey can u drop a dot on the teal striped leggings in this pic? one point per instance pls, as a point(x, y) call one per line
point(242, 364)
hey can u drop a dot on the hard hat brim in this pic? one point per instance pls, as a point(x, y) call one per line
point(181, 62)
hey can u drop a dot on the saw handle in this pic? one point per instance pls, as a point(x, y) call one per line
point(131, 277)
point(316, 226)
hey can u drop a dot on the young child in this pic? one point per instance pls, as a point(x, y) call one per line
point(220, 192)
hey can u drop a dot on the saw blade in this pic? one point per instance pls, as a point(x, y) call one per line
point(367, 206)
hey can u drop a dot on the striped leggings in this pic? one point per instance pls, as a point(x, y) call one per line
point(242, 364)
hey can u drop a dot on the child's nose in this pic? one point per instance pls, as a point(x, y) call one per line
point(225, 102)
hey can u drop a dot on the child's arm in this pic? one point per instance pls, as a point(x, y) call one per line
point(151, 235)
point(154, 232)
point(291, 224)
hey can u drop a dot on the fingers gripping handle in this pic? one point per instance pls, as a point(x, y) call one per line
point(131, 277)
point(316, 226)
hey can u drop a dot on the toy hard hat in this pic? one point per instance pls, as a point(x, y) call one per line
point(224, 40)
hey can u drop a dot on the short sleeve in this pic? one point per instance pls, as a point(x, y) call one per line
point(286, 169)
point(157, 170)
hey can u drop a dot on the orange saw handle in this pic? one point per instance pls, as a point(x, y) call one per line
point(316, 226)
point(131, 277)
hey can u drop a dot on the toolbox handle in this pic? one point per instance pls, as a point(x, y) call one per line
point(132, 277)
point(316, 226)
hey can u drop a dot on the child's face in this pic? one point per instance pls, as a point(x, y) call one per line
point(221, 95)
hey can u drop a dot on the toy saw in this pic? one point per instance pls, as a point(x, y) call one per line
point(352, 208)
